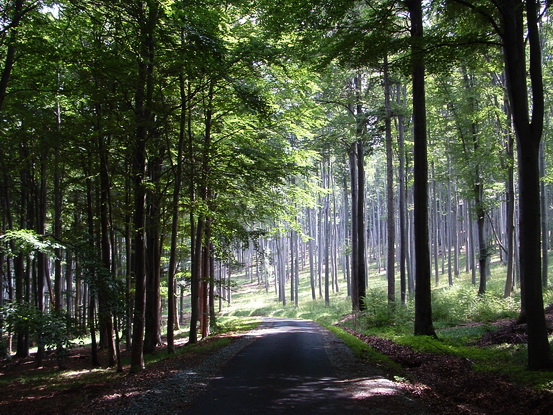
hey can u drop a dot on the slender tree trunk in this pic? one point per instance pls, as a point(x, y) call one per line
point(543, 209)
point(195, 282)
point(311, 249)
point(171, 303)
point(296, 270)
point(354, 239)
point(143, 110)
point(483, 249)
point(326, 233)
point(346, 229)
point(292, 279)
point(211, 293)
point(361, 246)
point(104, 294)
point(471, 251)
point(510, 207)
point(528, 133)
point(437, 230)
point(402, 205)
point(91, 296)
point(390, 204)
point(21, 275)
point(423, 297)
point(204, 287)
point(152, 322)
point(42, 260)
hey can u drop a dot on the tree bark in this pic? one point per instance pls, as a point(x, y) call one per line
point(402, 205)
point(143, 111)
point(543, 211)
point(528, 133)
point(152, 326)
point(361, 245)
point(354, 240)
point(171, 303)
point(423, 296)
point(390, 203)
point(104, 294)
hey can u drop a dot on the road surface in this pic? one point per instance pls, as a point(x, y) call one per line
point(286, 370)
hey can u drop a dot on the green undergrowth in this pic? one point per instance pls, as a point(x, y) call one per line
point(366, 352)
point(461, 317)
point(233, 324)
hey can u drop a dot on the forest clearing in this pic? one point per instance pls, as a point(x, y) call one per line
point(174, 173)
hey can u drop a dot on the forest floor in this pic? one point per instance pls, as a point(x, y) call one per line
point(447, 384)
point(451, 386)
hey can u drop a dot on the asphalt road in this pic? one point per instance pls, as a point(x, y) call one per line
point(286, 370)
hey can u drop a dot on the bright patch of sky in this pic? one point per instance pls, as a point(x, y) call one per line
point(53, 9)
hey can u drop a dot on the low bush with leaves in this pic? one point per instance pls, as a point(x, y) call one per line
point(50, 330)
point(460, 304)
point(380, 313)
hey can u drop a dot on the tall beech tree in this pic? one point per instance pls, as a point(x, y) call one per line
point(516, 22)
point(519, 20)
point(146, 14)
point(423, 299)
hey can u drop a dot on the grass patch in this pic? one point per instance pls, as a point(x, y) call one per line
point(366, 352)
point(233, 324)
point(251, 300)
point(507, 360)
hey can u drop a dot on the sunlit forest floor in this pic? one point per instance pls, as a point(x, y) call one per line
point(477, 364)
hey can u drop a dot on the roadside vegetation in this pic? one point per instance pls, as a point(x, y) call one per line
point(463, 320)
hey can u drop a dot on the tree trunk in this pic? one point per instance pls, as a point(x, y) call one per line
point(543, 209)
point(204, 287)
point(510, 205)
point(402, 205)
point(528, 134)
point(361, 246)
point(21, 275)
point(91, 296)
point(195, 282)
point(423, 296)
point(356, 303)
point(390, 204)
point(104, 292)
point(311, 249)
point(42, 260)
point(177, 169)
point(152, 326)
point(326, 174)
point(144, 115)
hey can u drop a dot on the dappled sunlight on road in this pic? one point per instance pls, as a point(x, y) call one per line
point(375, 386)
point(275, 325)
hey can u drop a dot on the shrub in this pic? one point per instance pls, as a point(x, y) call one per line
point(379, 313)
point(461, 304)
point(50, 330)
